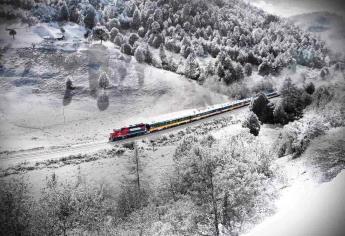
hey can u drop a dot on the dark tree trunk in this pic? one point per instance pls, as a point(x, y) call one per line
point(214, 203)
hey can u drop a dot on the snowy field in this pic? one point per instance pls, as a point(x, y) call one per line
point(36, 112)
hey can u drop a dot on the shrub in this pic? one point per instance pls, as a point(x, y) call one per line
point(264, 68)
point(133, 38)
point(262, 86)
point(103, 81)
point(113, 23)
point(248, 69)
point(157, 40)
point(141, 32)
point(139, 54)
point(113, 33)
point(292, 100)
point(297, 135)
point(279, 114)
point(262, 107)
point(100, 33)
point(89, 17)
point(16, 207)
point(252, 123)
point(324, 72)
point(119, 39)
point(126, 49)
point(310, 88)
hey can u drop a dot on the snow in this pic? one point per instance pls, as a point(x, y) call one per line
point(42, 35)
point(308, 209)
point(31, 88)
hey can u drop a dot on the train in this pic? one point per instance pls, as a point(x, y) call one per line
point(194, 115)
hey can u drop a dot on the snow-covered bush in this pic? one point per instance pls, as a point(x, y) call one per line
point(294, 100)
point(279, 114)
point(211, 173)
point(264, 68)
point(100, 33)
point(172, 46)
point(297, 135)
point(141, 32)
point(155, 27)
point(238, 90)
point(113, 33)
point(262, 86)
point(136, 19)
point(252, 123)
point(163, 57)
point(248, 69)
point(156, 40)
point(139, 54)
point(126, 49)
point(103, 80)
point(64, 11)
point(119, 39)
point(113, 23)
point(263, 108)
point(324, 72)
point(133, 38)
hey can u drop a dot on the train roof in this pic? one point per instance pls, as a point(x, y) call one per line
point(190, 112)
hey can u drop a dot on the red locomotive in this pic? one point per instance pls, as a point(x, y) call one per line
point(128, 132)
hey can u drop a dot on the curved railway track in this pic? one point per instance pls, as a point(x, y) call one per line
point(32, 155)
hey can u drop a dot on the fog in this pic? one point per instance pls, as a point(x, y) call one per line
point(294, 7)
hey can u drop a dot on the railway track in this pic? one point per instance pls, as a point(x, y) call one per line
point(14, 158)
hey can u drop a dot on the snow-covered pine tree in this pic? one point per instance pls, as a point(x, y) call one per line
point(100, 32)
point(163, 56)
point(89, 16)
point(139, 54)
point(248, 69)
point(192, 68)
point(136, 19)
point(113, 33)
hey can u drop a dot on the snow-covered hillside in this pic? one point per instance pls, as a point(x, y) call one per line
point(329, 26)
point(73, 70)
point(33, 85)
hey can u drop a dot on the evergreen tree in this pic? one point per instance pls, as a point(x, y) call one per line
point(264, 68)
point(113, 33)
point(248, 69)
point(252, 122)
point(139, 54)
point(89, 17)
point(262, 107)
point(64, 11)
point(136, 19)
point(100, 33)
point(192, 68)
point(163, 56)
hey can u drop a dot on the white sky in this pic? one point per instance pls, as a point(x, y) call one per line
point(288, 8)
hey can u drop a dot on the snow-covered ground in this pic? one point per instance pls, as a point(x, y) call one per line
point(35, 111)
point(307, 208)
point(307, 205)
